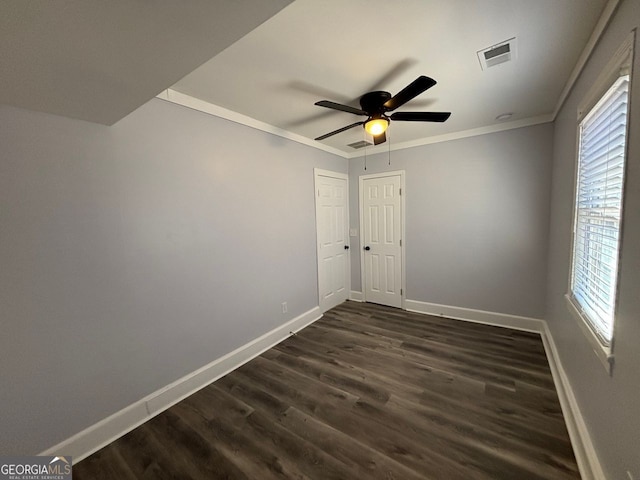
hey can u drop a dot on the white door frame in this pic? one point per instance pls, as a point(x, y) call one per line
point(403, 277)
point(318, 172)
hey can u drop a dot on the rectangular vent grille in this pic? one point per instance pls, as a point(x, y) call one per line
point(501, 50)
point(497, 54)
point(360, 144)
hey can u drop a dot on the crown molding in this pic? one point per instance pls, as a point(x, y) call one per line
point(598, 30)
point(188, 101)
point(447, 137)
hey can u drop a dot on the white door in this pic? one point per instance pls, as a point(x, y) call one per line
point(332, 224)
point(381, 214)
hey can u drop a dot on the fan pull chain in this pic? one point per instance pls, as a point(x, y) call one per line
point(389, 146)
point(364, 136)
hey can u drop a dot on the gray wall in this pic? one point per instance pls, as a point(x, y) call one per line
point(476, 221)
point(135, 254)
point(610, 405)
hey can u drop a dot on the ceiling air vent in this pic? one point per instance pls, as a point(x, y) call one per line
point(360, 144)
point(497, 54)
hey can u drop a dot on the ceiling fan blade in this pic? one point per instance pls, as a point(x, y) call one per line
point(412, 90)
point(378, 139)
point(421, 116)
point(326, 135)
point(339, 106)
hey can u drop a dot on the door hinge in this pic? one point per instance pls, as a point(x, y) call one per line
point(400, 291)
point(400, 242)
point(400, 191)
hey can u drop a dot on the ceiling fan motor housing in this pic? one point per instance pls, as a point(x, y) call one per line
point(373, 102)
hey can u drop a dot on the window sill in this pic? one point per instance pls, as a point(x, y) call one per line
point(603, 353)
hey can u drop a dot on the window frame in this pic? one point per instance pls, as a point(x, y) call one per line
point(620, 65)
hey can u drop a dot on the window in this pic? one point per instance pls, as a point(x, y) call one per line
point(598, 209)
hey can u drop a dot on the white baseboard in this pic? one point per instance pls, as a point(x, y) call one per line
point(586, 457)
point(356, 296)
point(585, 452)
point(93, 438)
point(478, 316)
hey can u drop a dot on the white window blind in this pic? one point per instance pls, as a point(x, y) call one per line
point(599, 193)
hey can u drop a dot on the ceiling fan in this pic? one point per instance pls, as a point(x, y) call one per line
point(375, 105)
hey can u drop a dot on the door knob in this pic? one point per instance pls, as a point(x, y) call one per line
point(346, 247)
point(367, 248)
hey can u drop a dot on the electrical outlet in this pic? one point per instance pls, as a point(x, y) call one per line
point(284, 307)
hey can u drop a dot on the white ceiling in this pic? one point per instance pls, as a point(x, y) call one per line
point(99, 60)
point(340, 49)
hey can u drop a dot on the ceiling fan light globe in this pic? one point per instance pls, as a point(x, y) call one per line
point(376, 126)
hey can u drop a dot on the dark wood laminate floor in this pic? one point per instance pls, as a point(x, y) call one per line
point(365, 392)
